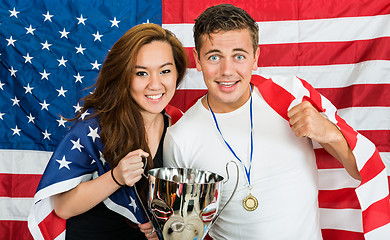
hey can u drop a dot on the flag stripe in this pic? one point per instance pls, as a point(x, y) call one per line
point(17, 185)
point(52, 226)
point(279, 9)
point(341, 219)
point(376, 215)
point(14, 230)
point(339, 199)
point(319, 53)
point(341, 234)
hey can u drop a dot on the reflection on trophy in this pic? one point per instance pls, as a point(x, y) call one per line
point(184, 202)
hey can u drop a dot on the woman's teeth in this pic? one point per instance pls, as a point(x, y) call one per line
point(154, 97)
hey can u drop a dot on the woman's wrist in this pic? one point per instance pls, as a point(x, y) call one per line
point(113, 178)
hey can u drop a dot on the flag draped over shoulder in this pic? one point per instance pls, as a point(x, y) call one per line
point(51, 52)
point(50, 56)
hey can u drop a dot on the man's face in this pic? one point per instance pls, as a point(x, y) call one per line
point(227, 60)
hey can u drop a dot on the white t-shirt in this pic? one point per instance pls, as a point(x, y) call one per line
point(283, 170)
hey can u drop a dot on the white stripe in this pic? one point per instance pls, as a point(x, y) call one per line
point(337, 178)
point(373, 190)
point(381, 233)
point(23, 161)
point(330, 76)
point(341, 219)
point(15, 209)
point(386, 160)
point(367, 118)
point(363, 151)
point(318, 30)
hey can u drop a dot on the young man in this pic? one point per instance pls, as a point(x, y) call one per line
point(266, 126)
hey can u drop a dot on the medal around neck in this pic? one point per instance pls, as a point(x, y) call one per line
point(250, 203)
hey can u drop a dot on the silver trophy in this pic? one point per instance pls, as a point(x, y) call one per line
point(184, 202)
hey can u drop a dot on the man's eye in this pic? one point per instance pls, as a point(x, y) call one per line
point(214, 58)
point(240, 57)
point(141, 74)
point(165, 71)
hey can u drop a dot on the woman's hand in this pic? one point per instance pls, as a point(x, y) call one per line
point(148, 230)
point(130, 168)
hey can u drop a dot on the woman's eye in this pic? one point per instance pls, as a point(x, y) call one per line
point(166, 71)
point(214, 58)
point(141, 74)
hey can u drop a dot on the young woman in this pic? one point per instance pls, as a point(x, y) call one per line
point(91, 176)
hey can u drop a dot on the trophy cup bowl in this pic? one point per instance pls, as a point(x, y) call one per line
point(184, 202)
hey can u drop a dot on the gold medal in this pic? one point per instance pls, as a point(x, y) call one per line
point(250, 203)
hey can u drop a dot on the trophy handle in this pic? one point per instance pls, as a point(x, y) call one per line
point(234, 190)
point(145, 165)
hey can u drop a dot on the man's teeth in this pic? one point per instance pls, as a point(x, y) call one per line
point(227, 84)
point(154, 97)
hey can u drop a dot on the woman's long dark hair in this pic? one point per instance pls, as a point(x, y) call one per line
point(122, 126)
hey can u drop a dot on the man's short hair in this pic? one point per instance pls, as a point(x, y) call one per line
point(224, 17)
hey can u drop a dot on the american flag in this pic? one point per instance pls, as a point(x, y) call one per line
point(51, 52)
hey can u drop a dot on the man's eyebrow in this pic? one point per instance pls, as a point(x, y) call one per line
point(240, 50)
point(163, 65)
point(218, 51)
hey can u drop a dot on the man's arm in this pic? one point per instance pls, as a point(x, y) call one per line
point(306, 121)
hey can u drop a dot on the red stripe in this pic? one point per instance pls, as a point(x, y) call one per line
point(361, 95)
point(18, 185)
point(13, 230)
point(379, 137)
point(338, 199)
point(184, 99)
point(333, 234)
point(372, 168)
point(319, 53)
point(325, 160)
point(277, 97)
point(376, 215)
point(178, 11)
point(348, 132)
point(52, 226)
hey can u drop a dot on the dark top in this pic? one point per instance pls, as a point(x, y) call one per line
point(100, 223)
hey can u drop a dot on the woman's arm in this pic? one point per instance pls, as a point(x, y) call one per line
point(88, 194)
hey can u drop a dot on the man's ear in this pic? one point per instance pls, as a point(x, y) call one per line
point(257, 54)
point(197, 61)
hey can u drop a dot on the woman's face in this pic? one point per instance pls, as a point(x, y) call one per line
point(155, 75)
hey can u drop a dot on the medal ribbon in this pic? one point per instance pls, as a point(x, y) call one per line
point(247, 171)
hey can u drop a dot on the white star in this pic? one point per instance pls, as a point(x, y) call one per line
point(62, 61)
point(13, 13)
point(30, 30)
point(93, 134)
point(115, 22)
point(133, 204)
point(63, 163)
point(47, 16)
point(11, 41)
point(1, 85)
point(97, 36)
point(28, 58)
point(81, 20)
point(61, 91)
point(44, 105)
point(61, 122)
point(76, 144)
point(16, 130)
point(13, 71)
point(28, 89)
point(84, 114)
point(80, 49)
point(95, 65)
point(45, 74)
point(1, 115)
point(46, 134)
point(30, 118)
point(77, 107)
point(78, 78)
point(64, 33)
point(46, 45)
point(102, 158)
point(15, 101)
